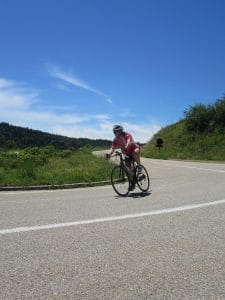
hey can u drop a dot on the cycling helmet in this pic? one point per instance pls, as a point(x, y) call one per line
point(117, 128)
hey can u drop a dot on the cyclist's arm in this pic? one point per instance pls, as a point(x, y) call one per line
point(112, 149)
point(129, 141)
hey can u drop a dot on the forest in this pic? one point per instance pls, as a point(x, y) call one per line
point(15, 137)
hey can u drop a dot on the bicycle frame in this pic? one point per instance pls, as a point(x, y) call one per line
point(123, 164)
point(124, 176)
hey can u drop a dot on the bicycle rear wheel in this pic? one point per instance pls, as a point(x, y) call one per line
point(120, 181)
point(142, 179)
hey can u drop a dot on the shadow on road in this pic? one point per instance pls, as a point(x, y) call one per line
point(136, 195)
point(139, 194)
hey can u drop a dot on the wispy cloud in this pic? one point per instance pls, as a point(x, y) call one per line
point(18, 106)
point(13, 95)
point(69, 78)
point(22, 106)
point(4, 83)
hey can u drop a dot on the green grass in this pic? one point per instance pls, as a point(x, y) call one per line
point(48, 166)
point(178, 143)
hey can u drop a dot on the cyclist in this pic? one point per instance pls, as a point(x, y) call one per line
point(125, 142)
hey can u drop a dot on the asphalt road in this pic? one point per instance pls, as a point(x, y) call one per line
point(91, 244)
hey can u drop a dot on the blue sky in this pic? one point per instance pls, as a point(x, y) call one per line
point(76, 67)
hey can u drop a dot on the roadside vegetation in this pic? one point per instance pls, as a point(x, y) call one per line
point(30, 158)
point(200, 135)
point(51, 166)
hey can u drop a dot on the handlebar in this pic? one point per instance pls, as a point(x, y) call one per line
point(117, 153)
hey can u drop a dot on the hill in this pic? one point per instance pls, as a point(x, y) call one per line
point(19, 137)
point(200, 135)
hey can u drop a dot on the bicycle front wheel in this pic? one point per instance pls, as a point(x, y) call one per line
point(120, 181)
point(142, 179)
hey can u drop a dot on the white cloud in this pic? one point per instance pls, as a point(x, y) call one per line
point(14, 96)
point(103, 130)
point(69, 78)
point(14, 100)
point(18, 107)
point(108, 100)
point(142, 133)
point(4, 83)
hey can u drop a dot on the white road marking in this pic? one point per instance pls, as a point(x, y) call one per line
point(105, 186)
point(54, 190)
point(188, 167)
point(113, 218)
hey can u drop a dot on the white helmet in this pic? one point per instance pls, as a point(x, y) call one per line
point(117, 128)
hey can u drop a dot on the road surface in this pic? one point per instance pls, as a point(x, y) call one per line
point(91, 244)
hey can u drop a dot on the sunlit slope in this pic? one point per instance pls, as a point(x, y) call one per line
point(200, 135)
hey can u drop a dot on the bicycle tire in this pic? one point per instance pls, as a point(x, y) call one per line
point(120, 181)
point(142, 179)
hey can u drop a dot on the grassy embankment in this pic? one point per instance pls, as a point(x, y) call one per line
point(178, 143)
point(48, 166)
point(199, 136)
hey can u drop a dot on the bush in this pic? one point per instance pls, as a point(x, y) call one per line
point(200, 118)
point(206, 119)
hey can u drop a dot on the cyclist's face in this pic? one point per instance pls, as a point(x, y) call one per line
point(117, 132)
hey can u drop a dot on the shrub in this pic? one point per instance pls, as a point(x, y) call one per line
point(200, 118)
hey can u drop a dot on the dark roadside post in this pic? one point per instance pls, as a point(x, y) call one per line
point(159, 143)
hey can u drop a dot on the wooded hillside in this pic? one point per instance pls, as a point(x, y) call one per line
point(12, 137)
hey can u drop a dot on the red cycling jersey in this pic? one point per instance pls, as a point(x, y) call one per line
point(121, 142)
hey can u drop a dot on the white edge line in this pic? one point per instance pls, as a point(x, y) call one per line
point(114, 218)
point(53, 190)
point(188, 167)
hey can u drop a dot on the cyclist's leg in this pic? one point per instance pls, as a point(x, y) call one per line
point(136, 155)
point(135, 151)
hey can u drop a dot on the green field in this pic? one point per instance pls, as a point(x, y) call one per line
point(49, 166)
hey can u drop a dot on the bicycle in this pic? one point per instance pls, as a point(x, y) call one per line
point(126, 175)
